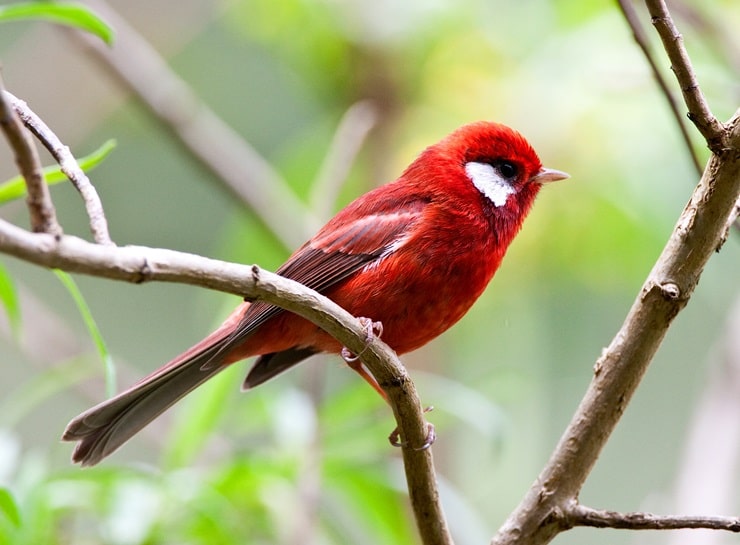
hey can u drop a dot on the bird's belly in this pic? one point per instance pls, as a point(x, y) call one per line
point(414, 307)
point(415, 298)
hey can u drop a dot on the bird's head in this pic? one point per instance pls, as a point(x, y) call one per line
point(493, 159)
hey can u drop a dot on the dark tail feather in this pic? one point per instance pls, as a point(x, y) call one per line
point(269, 365)
point(105, 427)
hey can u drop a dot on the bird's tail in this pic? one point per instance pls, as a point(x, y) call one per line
point(105, 427)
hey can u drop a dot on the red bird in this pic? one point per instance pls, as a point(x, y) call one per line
point(414, 255)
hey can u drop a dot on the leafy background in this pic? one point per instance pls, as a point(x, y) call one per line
point(304, 458)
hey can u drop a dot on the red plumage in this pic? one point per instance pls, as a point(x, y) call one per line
point(414, 255)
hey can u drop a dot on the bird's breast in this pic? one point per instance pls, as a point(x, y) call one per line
point(425, 286)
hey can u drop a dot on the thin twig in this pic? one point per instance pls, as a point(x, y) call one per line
point(68, 164)
point(643, 42)
point(579, 515)
point(699, 111)
point(141, 264)
point(236, 164)
point(357, 122)
point(40, 207)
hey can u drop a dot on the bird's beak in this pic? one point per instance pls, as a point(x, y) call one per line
point(547, 175)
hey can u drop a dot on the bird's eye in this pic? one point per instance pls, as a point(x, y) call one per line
point(508, 170)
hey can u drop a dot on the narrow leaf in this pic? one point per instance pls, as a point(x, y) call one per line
point(9, 299)
point(9, 507)
point(92, 327)
point(15, 188)
point(65, 13)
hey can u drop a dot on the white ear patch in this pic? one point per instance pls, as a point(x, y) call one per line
point(495, 187)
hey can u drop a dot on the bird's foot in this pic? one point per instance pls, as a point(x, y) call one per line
point(372, 329)
point(395, 435)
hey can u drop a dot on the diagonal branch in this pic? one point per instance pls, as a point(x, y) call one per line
point(141, 264)
point(68, 164)
point(700, 231)
point(40, 207)
point(617, 373)
point(699, 112)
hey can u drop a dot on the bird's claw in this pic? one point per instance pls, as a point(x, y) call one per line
point(348, 356)
point(394, 437)
point(372, 329)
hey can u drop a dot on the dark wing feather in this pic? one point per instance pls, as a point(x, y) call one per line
point(269, 365)
point(342, 248)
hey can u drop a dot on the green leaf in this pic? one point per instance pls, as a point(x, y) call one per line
point(92, 327)
point(65, 13)
point(9, 507)
point(15, 188)
point(9, 299)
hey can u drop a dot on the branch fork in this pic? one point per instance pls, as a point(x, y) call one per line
point(551, 505)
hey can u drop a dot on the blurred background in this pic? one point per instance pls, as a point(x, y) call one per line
point(304, 459)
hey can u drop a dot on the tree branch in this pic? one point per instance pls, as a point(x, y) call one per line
point(141, 264)
point(700, 231)
point(40, 207)
point(68, 164)
point(579, 515)
point(699, 112)
point(617, 373)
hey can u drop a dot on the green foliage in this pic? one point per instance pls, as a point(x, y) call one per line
point(304, 459)
point(9, 299)
point(15, 187)
point(65, 13)
point(92, 328)
point(273, 492)
point(9, 508)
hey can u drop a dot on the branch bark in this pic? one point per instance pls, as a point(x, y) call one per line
point(141, 264)
point(41, 209)
point(699, 111)
point(700, 231)
point(617, 373)
point(68, 164)
point(551, 505)
point(580, 515)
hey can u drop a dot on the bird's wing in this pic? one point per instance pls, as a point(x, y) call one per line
point(349, 242)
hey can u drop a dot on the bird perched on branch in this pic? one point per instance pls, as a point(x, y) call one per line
point(413, 255)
